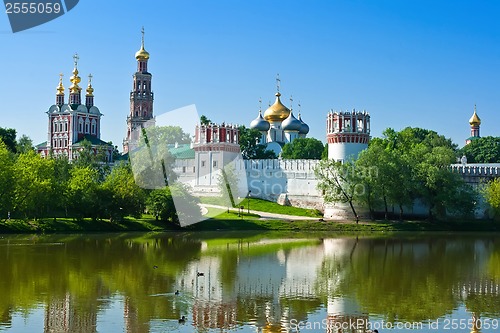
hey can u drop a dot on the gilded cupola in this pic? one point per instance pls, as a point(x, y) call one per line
point(142, 54)
point(474, 120)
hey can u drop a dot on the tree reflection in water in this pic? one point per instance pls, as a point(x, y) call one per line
point(91, 283)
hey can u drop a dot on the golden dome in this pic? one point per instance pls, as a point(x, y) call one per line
point(474, 120)
point(60, 87)
point(75, 79)
point(277, 111)
point(142, 54)
point(90, 90)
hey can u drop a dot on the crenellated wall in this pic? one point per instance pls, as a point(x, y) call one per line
point(293, 179)
point(477, 172)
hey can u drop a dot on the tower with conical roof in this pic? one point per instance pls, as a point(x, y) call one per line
point(474, 122)
point(141, 100)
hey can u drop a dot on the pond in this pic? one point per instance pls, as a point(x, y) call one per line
point(250, 282)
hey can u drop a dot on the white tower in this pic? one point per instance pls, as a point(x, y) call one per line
point(347, 133)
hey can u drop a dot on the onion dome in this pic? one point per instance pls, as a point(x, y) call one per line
point(304, 128)
point(142, 54)
point(60, 87)
point(90, 90)
point(75, 79)
point(474, 120)
point(291, 123)
point(260, 123)
point(277, 111)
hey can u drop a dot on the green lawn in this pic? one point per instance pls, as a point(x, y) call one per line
point(231, 221)
point(223, 214)
point(267, 206)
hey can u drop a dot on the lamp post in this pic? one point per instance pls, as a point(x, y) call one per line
point(239, 207)
point(248, 199)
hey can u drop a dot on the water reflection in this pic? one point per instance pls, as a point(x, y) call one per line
point(249, 283)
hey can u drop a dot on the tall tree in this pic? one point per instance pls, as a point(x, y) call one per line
point(339, 182)
point(82, 191)
point(303, 148)
point(6, 180)
point(33, 188)
point(123, 196)
point(250, 147)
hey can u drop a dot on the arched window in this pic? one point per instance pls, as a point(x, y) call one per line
point(94, 125)
point(80, 125)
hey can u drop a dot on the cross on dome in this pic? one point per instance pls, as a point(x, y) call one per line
point(75, 59)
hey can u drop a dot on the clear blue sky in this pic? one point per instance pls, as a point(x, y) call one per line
point(414, 63)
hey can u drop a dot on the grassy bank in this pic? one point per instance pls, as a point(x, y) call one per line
point(231, 221)
point(266, 206)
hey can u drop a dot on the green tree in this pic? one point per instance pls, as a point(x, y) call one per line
point(33, 188)
point(184, 207)
point(339, 182)
point(188, 209)
point(6, 180)
point(116, 153)
point(413, 166)
point(87, 155)
point(492, 195)
point(168, 135)
point(160, 204)
point(204, 120)
point(152, 163)
point(250, 147)
point(8, 136)
point(24, 144)
point(303, 148)
point(482, 150)
point(120, 194)
point(82, 191)
point(62, 174)
point(386, 177)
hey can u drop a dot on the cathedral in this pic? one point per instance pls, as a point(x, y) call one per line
point(279, 126)
point(72, 123)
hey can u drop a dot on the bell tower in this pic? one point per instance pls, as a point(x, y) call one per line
point(141, 100)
